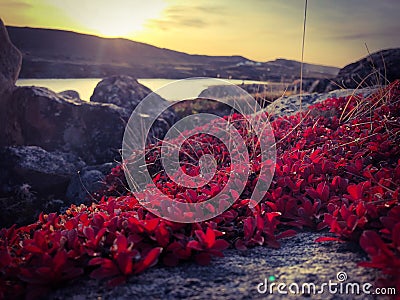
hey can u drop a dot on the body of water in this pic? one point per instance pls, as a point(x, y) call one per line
point(85, 86)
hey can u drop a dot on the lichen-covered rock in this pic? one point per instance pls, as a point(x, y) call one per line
point(289, 105)
point(42, 170)
point(33, 180)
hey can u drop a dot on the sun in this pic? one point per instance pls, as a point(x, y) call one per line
point(117, 23)
point(111, 18)
point(125, 18)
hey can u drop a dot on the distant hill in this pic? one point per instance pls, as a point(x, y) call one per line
point(376, 69)
point(49, 53)
point(379, 68)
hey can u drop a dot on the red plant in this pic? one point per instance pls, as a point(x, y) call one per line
point(344, 176)
point(207, 245)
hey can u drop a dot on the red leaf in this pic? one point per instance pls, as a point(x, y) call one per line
point(149, 261)
point(60, 259)
point(162, 235)
point(272, 215)
point(121, 243)
point(201, 236)
point(286, 234)
point(124, 261)
point(210, 237)
point(323, 191)
point(89, 233)
point(248, 226)
point(239, 245)
point(355, 191)
point(372, 243)
point(221, 245)
point(70, 224)
point(106, 270)
point(151, 225)
point(194, 245)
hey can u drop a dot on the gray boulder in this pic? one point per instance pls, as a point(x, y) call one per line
point(44, 171)
point(87, 181)
point(289, 105)
point(126, 92)
point(319, 85)
point(71, 95)
point(10, 65)
point(38, 116)
point(121, 90)
point(10, 61)
point(33, 180)
point(310, 85)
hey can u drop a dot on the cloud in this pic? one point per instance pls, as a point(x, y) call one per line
point(192, 22)
point(381, 34)
point(197, 16)
point(171, 23)
point(193, 9)
point(13, 12)
point(15, 4)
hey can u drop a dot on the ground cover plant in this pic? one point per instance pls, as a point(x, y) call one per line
point(337, 168)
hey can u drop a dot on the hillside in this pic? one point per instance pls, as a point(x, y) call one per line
point(378, 68)
point(49, 53)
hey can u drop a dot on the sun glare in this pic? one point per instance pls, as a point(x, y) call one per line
point(118, 18)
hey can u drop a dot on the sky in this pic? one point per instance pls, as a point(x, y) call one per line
point(337, 31)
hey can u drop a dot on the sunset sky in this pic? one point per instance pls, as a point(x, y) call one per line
point(261, 30)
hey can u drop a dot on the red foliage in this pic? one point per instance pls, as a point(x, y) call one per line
point(341, 175)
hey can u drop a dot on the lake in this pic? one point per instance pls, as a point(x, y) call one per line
point(85, 86)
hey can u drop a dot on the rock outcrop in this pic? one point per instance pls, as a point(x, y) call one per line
point(40, 117)
point(309, 85)
point(379, 68)
point(33, 180)
point(10, 65)
point(71, 95)
point(87, 181)
point(127, 92)
point(376, 69)
point(10, 61)
point(45, 141)
point(48, 146)
point(123, 91)
point(90, 130)
point(289, 105)
point(48, 138)
point(44, 171)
